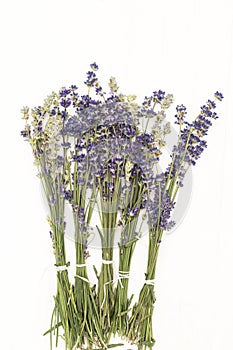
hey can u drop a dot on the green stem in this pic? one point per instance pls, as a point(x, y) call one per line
point(140, 323)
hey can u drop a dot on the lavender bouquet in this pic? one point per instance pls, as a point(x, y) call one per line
point(98, 156)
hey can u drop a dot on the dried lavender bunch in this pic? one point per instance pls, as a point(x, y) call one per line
point(191, 144)
point(41, 133)
point(99, 151)
point(100, 126)
point(50, 148)
point(68, 135)
point(143, 159)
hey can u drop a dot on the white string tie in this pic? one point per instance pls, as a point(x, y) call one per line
point(81, 265)
point(150, 282)
point(122, 275)
point(62, 268)
point(107, 262)
point(105, 284)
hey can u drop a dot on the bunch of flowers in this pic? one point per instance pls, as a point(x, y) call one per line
point(100, 153)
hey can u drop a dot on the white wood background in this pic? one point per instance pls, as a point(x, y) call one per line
point(184, 47)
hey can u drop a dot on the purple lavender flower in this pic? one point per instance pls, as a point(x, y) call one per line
point(147, 102)
point(100, 174)
point(68, 195)
point(73, 87)
point(38, 111)
point(145, 139)
point(218, 96)
point(112, 167)
point(158, 96)
point(65, 102)
point(201, 125)
point(206, 111)
point(211, 104)
point(94, 66)
point(24, 133)
point(177, 167)
point(113, 98)
point(181, 114)
point(60, 161)
point(191, 144)
point(160, 206)
point(85, 102)
point(91, 79)
point(108, 119)
point(79, 145)
point(132, 212)
point(99, 90)
point(79, 158)
point(64, 92)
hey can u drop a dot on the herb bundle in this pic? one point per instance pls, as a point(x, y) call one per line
point(99, 153)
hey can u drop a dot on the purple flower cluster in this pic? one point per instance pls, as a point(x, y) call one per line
point(192, 135)
point(65, 102)
point(218, 96)
point(82, 227)
point(131, 213)
point(99, 116)
point(107, 135)
point(91, 79)
point(181, 114)
point(68, 195)
point(157, 97)
point(191, 143)
point(94, 66)
point(145, 139)
point(159, 207)
point(177, 168)
point(110, 156)
point(25, 133)
point(67, 97)
point(64, 92)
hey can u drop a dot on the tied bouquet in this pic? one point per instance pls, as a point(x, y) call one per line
point(98, 157)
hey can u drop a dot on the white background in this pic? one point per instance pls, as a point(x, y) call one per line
point(183, 47)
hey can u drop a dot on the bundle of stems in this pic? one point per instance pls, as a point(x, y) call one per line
point(190, 146)
point(102, 155)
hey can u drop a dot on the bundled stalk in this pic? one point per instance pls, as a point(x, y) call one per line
point(188, 150)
